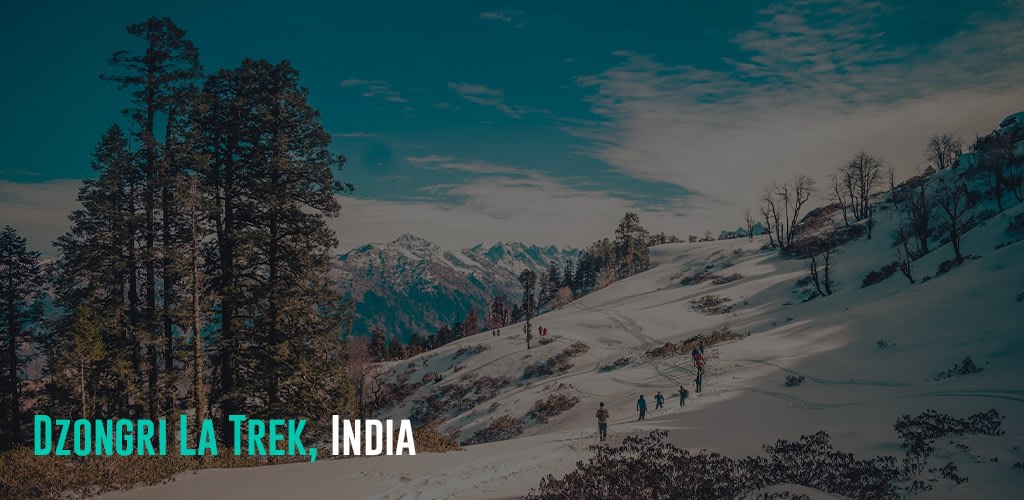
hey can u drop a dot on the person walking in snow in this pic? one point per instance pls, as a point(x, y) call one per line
point(696, 353)
point(602, 421)
point(659, 401)
point(700, 379)
point(682, 395)
point(641, 406)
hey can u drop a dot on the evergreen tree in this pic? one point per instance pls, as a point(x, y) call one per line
point(21, 279)
point(528, 279)
point(160, 76)
point(472, 324)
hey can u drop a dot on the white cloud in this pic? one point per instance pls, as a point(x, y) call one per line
point(486, 96)
point(535, 209)
point(807, 99)
point(39, 210)
point(375, 88)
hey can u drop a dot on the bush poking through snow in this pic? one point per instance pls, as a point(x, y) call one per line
point(688, 345)
point(457, 397)
point(650, 468)
point(545, 340)
point(965, 367)
point(712, 304)
point(430, 438)
point(882, 343)
point(471, 350)
point(875, 277)
point(618, 363)
point(500, 429)
point(545, 409)
point(559, 363)
point(794, 380)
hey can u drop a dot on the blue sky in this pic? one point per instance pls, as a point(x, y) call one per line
point(475, 121)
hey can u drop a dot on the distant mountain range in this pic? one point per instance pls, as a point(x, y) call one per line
point(412, 285)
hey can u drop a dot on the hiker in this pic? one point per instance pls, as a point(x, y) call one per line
point(701, 348)
point(659, 401)
point(700, 379)
point(545, 331)
point(696, 353)
point(682, 395)
point(700, 365)
point(641, 406)
point(602, 421)
point(499, 332)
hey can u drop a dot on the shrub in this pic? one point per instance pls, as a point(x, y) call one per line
point(618, 363)
point(712, 304)
point(471, 350)
point(545, 340)
point(687, 346)
point(429, 437)
point(793, 380)
point(545, 409)
point(965, 367)
point(500, 429)
point(558, 363)
point(457, 397)
point(431, 377)
point(721, 280)
point(880, 275)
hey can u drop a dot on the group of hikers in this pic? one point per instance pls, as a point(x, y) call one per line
point(659, 399)
point(496, 332)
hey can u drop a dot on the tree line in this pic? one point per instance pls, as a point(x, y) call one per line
point(195, 273)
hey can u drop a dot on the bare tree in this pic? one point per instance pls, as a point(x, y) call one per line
point(819, 253)
point(919, 215)
point(944, 150)
point(789, 198)
point(838, 194)
point(892, 187)
point(863, 173)
point(951, 197)
point(903, 255)
point(768, 212)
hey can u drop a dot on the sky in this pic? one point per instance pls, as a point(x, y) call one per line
point(469, 122)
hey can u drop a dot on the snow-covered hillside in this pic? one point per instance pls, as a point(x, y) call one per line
point(854, 388)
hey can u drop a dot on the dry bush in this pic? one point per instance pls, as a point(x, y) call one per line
point(545, 409)
point(457, 397)
point(429, 437)
point(558, 363)
point(712, 304)
point(687, 346)
point(875, 277)
point(500, 429)
point(545, 340)
point(721, 280)
point(26, 475)
point(471, 350)
point(618, 363)
point(431, 377)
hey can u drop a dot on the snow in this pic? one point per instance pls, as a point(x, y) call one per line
point(854, 389)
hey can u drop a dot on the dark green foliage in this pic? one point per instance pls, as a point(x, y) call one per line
point(21, 282)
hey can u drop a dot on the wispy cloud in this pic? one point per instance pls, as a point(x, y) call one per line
point(486, 96)
point(375, 88)
point(495, 16)
point(438, 162)
point(819, 82)
point(354, 135)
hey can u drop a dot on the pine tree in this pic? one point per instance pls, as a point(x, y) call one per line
point(160, 76)
point(21, 279)
point(528, 280)
point(96, 280)
point(631, 246)
point(270, 173)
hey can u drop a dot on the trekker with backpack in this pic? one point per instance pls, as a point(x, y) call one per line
point(641, 406)
point(700, 379)
point(602, 421)
point(659, 401)
point(682, 395)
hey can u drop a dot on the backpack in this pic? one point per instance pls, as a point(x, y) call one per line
point(602, 414)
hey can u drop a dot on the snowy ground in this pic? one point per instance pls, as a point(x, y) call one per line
point(854, 389)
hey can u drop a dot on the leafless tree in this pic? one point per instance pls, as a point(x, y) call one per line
point(903, 255)
point(944, 150)
point(919, 215)
point(951, 197)
point(769, 213)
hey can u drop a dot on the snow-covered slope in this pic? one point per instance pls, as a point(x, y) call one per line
point(854, 389)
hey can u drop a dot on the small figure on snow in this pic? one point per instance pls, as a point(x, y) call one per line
point(602, 421)
point(682, 395)
point(641, 406)
point(659, 401)
point(700, 379)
